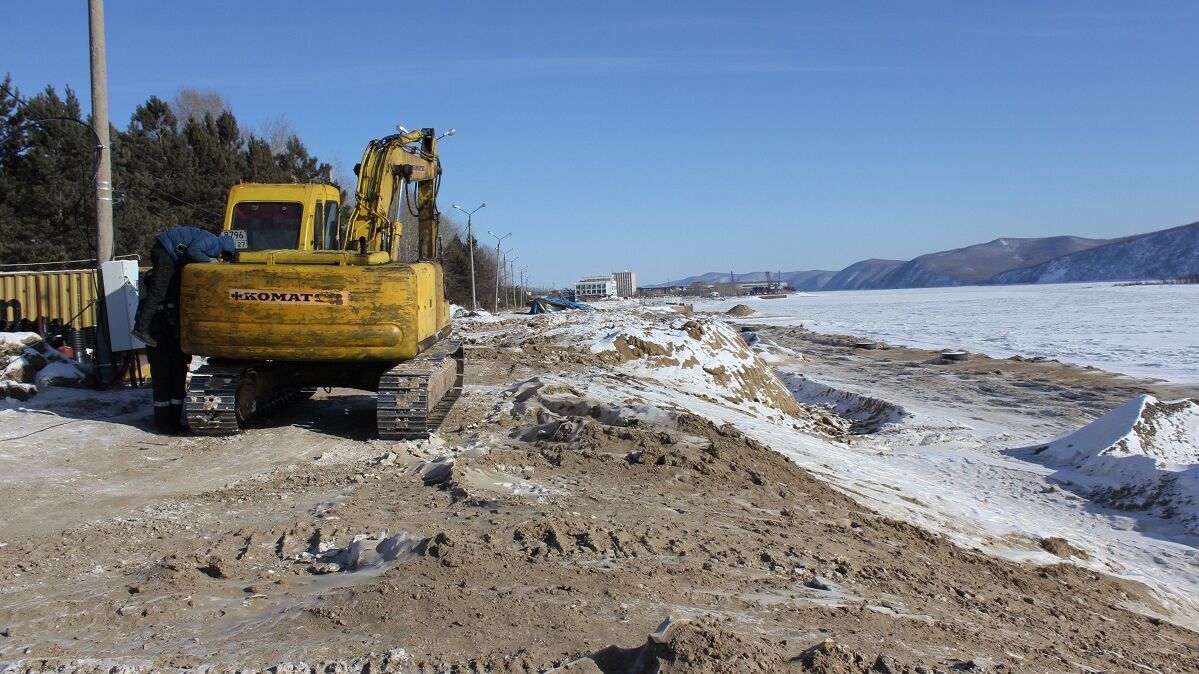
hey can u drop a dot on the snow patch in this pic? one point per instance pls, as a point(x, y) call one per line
point(867, 414)
point(17, 340)
point(365, 552)
point(941, 468)
point(61, 374)
point(1141, 456)
point(768, 350)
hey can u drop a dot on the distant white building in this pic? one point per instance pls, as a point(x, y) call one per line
point(626, 283)
point(595, 288)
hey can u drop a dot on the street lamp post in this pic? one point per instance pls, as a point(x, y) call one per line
point(507, 267)
point(470, 242)
point(512, 275)
point(498, 266)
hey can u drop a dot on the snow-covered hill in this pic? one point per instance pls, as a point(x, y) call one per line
point(977, 264)
point(862, 275)
point(1167, 254)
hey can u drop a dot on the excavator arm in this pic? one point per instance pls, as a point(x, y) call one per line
point(388, 166)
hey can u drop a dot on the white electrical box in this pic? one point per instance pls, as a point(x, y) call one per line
point(121, 295)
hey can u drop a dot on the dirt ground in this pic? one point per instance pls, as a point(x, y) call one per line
point(540, 526)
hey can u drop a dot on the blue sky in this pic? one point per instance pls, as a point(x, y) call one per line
point(673, 138)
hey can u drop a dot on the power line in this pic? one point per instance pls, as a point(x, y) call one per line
point(129, 256)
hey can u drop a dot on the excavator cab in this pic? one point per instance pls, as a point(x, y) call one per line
point(261, 216)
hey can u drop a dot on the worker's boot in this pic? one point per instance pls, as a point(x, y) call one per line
point(166, 420)
point(145, 337)
point(180, 420)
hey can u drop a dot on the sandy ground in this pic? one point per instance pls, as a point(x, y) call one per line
point(541, 525)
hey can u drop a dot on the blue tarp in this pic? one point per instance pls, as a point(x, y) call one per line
point(543, 305)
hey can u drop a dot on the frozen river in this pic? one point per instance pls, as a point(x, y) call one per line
point(1146, 331)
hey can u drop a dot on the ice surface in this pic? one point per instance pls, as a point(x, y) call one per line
point(1149, 331)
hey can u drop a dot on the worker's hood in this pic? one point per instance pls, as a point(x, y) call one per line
point(228, 245)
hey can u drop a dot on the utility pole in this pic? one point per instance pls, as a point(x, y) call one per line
point(105, 371)
point(470, 242)
point(104, 247)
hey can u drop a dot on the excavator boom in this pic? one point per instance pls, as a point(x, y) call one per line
point(388, 166)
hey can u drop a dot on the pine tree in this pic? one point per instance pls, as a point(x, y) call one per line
point(147, 177)
point(48, 159)
point(261, 166)
point(215, 164)
point(456, 267)
point(298, 166)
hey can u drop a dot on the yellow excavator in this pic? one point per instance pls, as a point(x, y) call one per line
point(310, 304)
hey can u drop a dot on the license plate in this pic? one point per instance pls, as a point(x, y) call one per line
point(240, 240)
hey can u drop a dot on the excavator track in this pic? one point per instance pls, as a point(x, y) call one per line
point(222, 399)
point(211, 402)
point(415, 396)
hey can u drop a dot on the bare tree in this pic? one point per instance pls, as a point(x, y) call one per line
point(410, 236)
point(277, 131)
point(195, 103)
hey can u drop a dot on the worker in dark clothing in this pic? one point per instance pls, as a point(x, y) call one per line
point(168, 363)
point(157, 322)
point(172, 249)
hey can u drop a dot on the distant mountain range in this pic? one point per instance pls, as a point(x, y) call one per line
point(1165, 254)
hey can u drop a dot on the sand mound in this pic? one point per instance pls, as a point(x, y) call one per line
point(829, 657)
point(1141, 456)
point(701, 357)
point(705, 646)
point(701, 647)
point(740, 310)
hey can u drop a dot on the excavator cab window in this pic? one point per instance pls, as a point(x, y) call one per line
point(268, 224)
point(331, 242)
point(318, 226)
